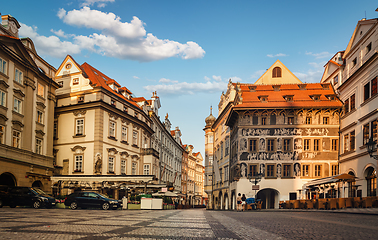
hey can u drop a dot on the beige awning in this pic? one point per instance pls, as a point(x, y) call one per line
point(332, 179)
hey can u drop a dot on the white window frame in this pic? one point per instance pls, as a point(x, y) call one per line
point(79, 126)
point(135, 138)
point(123, 166)
point(16, 139)
point(17, 105)
point(124, 133)
point(18, 76)
point(79, 158)
point(39, 116)
point(3, 66)
point(38, 146)
point(3, 98)
point(111, 160)
point(2, 134)
point(146, 169)
point(134, 167)
point(112, 128)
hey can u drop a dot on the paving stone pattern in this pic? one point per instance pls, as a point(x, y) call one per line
point(28, 223)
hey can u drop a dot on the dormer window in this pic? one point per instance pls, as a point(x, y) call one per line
point(276, 87)
point(263, 98)
point(276, 73)
point(75, 81)
point(331, 97)
point(325, 86)
point(252, 88)
point(315, 97)
point(288, 98)
point(336, 80)
point(302, 86)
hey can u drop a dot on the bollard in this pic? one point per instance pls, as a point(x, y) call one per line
point(124, 203)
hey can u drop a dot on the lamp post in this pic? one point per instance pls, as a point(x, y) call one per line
point(371, 148)
point(255, 178)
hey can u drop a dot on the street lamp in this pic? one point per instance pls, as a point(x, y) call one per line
point(255, 178)
point(371, 147)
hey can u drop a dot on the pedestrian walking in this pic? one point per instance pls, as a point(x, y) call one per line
point(243, 201)
point(238, 202)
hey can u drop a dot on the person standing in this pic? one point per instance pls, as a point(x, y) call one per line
point(243, 201)
point(238, 202)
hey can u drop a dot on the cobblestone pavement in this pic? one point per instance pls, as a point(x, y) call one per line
point(28, 223)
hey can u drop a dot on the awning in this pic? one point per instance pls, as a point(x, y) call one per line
point(166, 194)
point(333, 179)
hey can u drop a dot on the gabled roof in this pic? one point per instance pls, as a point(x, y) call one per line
point(287, 76)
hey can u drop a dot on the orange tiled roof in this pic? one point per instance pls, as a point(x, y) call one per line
point(99, 79)
point(276, 98)
point(139, 99)
point(112, 81)
point(124, 89)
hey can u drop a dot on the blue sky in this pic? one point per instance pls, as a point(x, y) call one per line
point(187, 50)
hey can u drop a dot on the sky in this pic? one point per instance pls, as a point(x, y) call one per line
point(188, 50)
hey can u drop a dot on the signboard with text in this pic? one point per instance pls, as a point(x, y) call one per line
point(255, 187)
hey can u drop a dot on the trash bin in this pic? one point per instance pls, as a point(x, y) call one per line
point(124, 203)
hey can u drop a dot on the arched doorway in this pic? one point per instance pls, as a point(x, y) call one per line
point(351, 186)
point(7, 179)
point(220, 201)
point(37, 184)
point(225, 201)
point(269, 198)
point(213, 203)
point(233, 198)
point(371, 181)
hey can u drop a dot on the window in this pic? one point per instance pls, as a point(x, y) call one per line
point(226, 178)
point(373, 86)
point(318, 170)
point(308, 120)
point(40, 90)
point(146, 169)
point(80, 99)
point(306, 144)
point(368, 48)
point(75, 81)
point(2, 132)
point(276, 72)
point(366, 91)
point(80, 126)
point(335, 170)
point(352, 102)
point(373, 132)
point(270, 171)
point(113, 102)
point(255, 120)
point(286, 145)
point(325, 120)
point(286, 170)
point(60, 83)
point(124, 133)
point(18, 76)
point(112, 129)
point(346, 142)
point(252, 145)
point(352, 141)
point(17, 105)
point(354, 62)
point(39, 117)
point(38, 146)
point(316, 145)
point(263, 121)
point(3, 99)
point(272, 119)
point(270, 145)
point(78, 163)
point(371, 180)
point(335, 144)
point(134, 168)
point(290, 120)
point(253, 170)
point(125, 108)
point(346, 106)
point(3, 66)
point(111, 164)
point(123, 166)
point(366, 133)
point(305, 170)
point(135, 138)
point(55, 132)
point(336, 80)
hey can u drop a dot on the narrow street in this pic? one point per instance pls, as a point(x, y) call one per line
point(27, 223)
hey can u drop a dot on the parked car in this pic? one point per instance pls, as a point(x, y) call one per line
point(26, 196)
point(4, 195)
point(91, 200)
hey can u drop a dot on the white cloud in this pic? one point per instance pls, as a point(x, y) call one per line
point(217, 78)
point(277, 55)
point(165, 80)
point(313, 75)
point(207, 78)
point(135, 77)
point(125, 40)
point(61, 33)
point(101, 3)
point(187, 88)
point(51, 45)
point(257, 74)
point(320, 55)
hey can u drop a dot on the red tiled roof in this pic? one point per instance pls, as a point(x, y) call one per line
point(112, 81)
point(139, 99)
point(99, 79)
point(124, 89)
point(276, 99)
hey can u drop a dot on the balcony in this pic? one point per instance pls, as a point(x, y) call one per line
point(150, 151)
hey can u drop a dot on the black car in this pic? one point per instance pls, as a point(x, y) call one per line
point(26, 196)
point(91, 200)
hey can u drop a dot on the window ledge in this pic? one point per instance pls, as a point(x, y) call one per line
point(41, 124)
point(124, 142)
point(77, 171)
point(270, 177)
point(349, 113)
point(4, 75)
point(347, 153)
point(287, 177)
point(78, 136)
point(136, 146)
point(3, 107)
point(19, 114)
point(369, 100)
point(110, 172)
point(112, 138)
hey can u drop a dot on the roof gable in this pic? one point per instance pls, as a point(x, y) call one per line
point(68, 66)
point(287, 77)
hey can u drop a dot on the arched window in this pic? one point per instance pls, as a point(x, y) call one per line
point(371, 180)
point(276, 72)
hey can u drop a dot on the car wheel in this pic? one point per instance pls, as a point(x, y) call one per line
point(37, 204)
point(105, 206)
point(73, 205)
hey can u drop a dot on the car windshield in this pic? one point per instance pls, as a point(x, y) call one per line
point(39, 191)
point(102, 195)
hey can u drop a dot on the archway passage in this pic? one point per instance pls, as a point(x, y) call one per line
point(269, 198)
point(226, 201)
point(37, 184)
point(7, 179)
point(371, 181)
